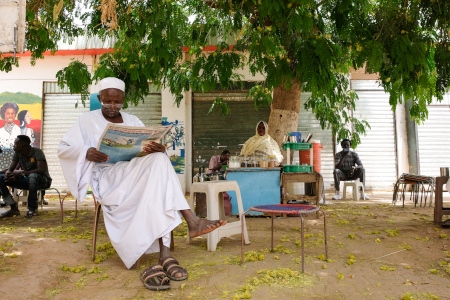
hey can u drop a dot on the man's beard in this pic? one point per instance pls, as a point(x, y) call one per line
point(111, 112)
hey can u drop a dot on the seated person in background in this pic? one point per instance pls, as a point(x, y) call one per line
point(262, 143)
point(217, 161)
point(348, 166)
point(141, 199)
point(32, 176)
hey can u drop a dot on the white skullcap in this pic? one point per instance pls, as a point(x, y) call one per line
point(111, 83)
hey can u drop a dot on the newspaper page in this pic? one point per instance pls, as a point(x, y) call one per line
point(122, 143)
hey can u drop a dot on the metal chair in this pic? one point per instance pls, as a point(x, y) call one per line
point(22, 195)
point(421, 186)
point(41, 194)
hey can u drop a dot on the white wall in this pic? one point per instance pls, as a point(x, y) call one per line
point(12, 19)
point(29, 79)
point(174, 113)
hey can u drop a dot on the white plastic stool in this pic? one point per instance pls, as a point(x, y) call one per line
point(355, 184)
point(215, 211)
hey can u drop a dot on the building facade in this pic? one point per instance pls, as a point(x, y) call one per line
point(394, 145)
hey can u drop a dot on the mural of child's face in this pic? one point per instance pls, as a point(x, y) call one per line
point(10, 115)
point(28, 118)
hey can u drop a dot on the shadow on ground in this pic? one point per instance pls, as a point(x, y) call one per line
point(376, 251)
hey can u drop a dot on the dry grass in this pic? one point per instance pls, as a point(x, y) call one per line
point(376, 251)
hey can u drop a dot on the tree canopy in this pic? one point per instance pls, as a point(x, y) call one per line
point(307, 44)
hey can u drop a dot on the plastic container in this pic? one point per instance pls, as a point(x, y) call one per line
point(297, 146)
point(317, 157)
point(297, 134)
point(234, 163)
point(297, 168)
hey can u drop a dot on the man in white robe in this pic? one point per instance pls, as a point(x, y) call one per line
point(141, 198)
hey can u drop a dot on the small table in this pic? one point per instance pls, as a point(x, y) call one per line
point(313, 177)
point(290, 209)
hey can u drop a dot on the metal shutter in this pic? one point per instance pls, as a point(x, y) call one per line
point(433, 138)
point(378, 148)
point(214, 132)
point(60, 114)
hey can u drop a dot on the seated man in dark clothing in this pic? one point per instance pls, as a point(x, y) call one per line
point(348, 166)
point(32, 176)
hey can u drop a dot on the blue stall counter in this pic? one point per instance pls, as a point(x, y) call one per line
point(259, 186)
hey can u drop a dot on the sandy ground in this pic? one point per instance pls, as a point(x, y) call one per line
point(375, 251)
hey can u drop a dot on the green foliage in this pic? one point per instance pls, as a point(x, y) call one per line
point(261, 95)
point(197, 45)
point(76, 76)
point(7, 62)
point(221, 105)
point(44, 30)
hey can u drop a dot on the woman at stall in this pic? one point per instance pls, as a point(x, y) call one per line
point(262, 144)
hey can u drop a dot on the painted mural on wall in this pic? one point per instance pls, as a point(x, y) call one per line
point(20, 114)
point(175, 144)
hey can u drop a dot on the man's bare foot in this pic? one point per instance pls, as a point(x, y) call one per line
point(203, 226)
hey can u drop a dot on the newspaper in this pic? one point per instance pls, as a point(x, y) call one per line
point(122, 143)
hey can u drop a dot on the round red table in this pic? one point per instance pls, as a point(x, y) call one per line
point(287, 209)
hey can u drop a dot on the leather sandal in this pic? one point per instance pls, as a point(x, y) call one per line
point(172, 267)
point(154, 278)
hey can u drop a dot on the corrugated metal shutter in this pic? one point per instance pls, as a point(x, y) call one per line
point(433, 138)
point(307, 123)
point(60, 114)
point(149, 111)
point(214, 132)
point(378, 148)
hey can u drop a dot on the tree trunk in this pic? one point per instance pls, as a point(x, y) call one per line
point(284, 111)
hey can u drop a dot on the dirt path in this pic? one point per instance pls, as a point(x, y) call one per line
point(376, 251)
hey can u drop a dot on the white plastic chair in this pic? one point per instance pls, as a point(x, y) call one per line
point(356, 185)
point(214, 206)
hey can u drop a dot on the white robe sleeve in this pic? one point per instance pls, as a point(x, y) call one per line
point(76, 168)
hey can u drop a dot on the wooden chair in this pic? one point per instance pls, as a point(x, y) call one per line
point(439, 209)
point(97, 207)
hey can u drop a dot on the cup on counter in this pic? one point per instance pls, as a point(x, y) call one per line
point(271, 164)
point(263, 164)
